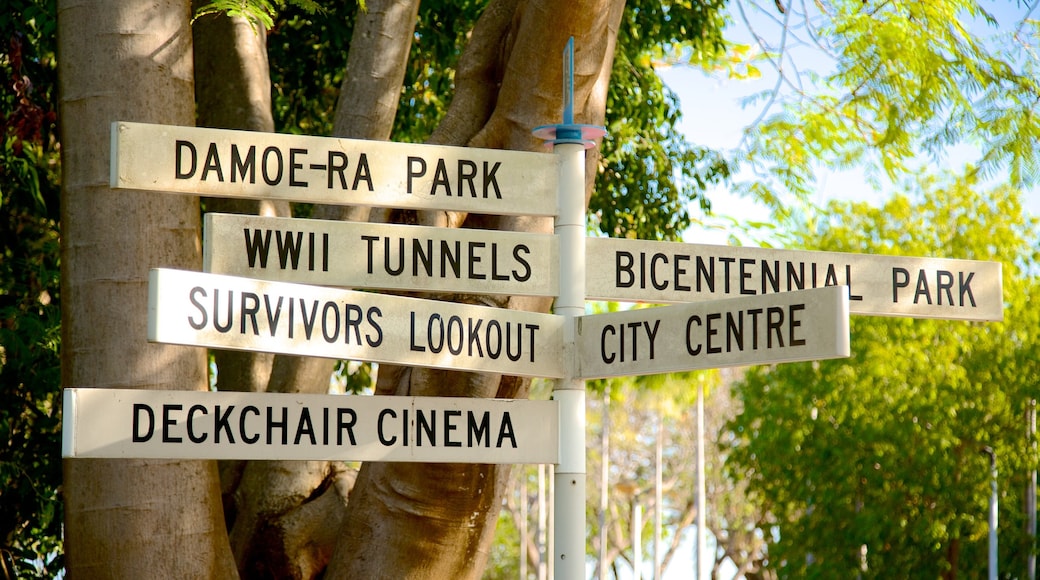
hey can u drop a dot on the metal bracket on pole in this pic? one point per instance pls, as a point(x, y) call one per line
point(569, 131)
point(569, 141)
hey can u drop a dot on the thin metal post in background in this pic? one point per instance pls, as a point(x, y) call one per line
point(703, 571)
point(523, 522)
point(992, 512)
point(1031, 490)
point(543, 551)
point(658, 492)
point(550, 530)
point(637, 538)
point(604, 482)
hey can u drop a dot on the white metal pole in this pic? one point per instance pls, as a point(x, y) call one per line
point(569, 558)
point(569, 142)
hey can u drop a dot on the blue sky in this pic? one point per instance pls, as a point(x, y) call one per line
point(713, 116)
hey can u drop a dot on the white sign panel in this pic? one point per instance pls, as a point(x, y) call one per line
point(326, 170)
point(788, 327)
point(645, 271)
point(363, 255)
point(197, 309)
point(124, 423)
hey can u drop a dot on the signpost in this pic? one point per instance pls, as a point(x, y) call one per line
point(131, 423)
point(326, 170)
point(646, 271)
point(780, 305)
point(788, 327)
point(363, 255)
point(192, 308)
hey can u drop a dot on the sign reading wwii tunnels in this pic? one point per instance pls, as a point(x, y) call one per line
point(646, 271)
point(326, 170)
point(128, 423)
point(792, 326)
point(192, 308)
point(363, 255)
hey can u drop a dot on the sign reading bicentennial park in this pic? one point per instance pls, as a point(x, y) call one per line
point(326, 170)
point(129, 423)
point(646, 271)
point(192, 308)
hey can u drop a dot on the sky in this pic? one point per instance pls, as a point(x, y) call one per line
point(713, 116)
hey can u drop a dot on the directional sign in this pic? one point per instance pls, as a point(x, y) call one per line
point(793, 326)
point(363, 255)
point(193, 308)
point(644, 271)
point(245, 164)
point(124, 423)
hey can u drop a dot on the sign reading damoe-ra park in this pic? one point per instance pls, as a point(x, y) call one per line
point(363, 255)
point(787, 327)
point(125, 423)
point(326, 170)
point(192, 308)
point(646, 271)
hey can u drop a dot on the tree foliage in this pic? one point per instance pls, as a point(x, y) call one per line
point(649, 174)
point(899, 85)
point(30, 436)
point(874, 466)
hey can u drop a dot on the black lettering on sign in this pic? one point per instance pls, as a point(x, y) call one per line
point(168, 422)
point(400, 256)
point(679, 272)
point(751, 329)
point(192, 436)
point(516, 339)
point(943, 282)
point(142, 433)
point(236, 163)
point(260, 314)
point(454, 180)
point(307, 427)
point(248, 438)
point(626, 346)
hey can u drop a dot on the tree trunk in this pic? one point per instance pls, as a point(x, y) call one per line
point(273, 504)
point(437, 520)
point(128, 518)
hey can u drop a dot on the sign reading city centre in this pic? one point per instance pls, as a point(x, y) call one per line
point(128, 423)
point(646, 271)
point(325, 170)
point(364, 255)
point(792, 326)
point(192, 308)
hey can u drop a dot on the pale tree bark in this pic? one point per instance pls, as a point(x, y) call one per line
point(233, 91)
point(163, 519)
point(437, 520)
point(284, 513)
point(128, 518)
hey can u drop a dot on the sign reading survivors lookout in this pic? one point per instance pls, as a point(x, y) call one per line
point(197, 309)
